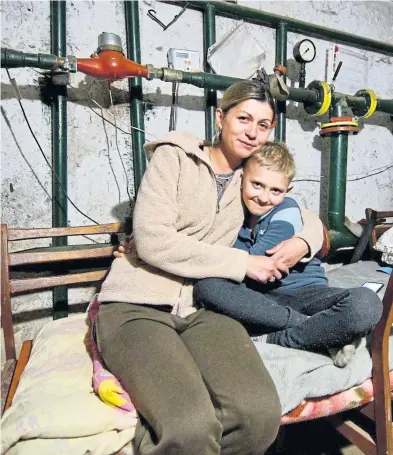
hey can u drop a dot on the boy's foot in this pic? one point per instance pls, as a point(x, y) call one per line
point(342, 356)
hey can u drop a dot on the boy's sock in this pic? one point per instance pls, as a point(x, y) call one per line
point(342, 356)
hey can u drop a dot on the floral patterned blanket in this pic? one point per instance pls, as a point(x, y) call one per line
point(314, 408)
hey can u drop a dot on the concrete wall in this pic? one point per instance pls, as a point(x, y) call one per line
point(97, 183)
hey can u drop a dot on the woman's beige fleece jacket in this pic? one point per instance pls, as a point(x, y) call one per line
point(181, 233)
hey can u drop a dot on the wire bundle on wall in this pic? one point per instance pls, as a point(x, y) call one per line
point(114, 123)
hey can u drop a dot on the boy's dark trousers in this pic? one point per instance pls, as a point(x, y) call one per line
point(312, 318)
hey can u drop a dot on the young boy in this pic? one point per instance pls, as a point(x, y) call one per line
point(299, 311)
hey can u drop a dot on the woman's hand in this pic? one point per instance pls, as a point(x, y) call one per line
point(290, 251)
point(263, 268)
point(124, 247)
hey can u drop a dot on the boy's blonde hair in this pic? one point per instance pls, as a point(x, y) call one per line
point(274, 156)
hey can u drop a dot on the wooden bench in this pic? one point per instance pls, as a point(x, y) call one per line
point(378, 410)
point(36, 257)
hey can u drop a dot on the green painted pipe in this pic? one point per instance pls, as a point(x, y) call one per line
point(207, 80)
point(59, 147)
point(209, 38)
point(303, 95)
point(16, 59)
point(131, 10)
point(281, 58)
point(338, 179)
point(385, 106)
point(257, 16)
point(340, 236)
point(218, 82)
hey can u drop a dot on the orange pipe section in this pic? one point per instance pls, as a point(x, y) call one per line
point(110, 65)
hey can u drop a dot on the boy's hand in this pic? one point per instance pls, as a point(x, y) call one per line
point(264, 269)
point(290, 251)
point(124, 247)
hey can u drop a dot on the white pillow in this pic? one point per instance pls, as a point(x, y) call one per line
point(55, 409)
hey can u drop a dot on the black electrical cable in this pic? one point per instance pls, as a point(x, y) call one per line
point(43, 154)
point(118, 149)
point(174, 106)
point(370, 175)
point(349, 180)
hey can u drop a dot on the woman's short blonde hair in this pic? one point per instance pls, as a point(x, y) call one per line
point(274, 156)
point(242, 91)
point(246, 90)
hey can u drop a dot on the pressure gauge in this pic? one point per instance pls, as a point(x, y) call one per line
point(304, 51)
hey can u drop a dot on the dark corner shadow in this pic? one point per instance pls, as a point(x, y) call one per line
point(123, 213)
point(188, 102)
point(379, 119)
point(306, 121)
point(295, 111)
point(94, 89)
point(322, 144)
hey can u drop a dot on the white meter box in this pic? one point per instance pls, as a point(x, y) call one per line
point(184, 60)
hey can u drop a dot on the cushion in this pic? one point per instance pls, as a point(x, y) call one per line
point(55, 409)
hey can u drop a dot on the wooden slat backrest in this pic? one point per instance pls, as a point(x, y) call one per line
point(23, 234)
point(44, 255)
point(379, 229)
point(6, 313)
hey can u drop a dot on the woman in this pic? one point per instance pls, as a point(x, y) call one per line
point(195, 378)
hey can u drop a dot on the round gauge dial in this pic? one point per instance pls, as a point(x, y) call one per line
point(304, 51)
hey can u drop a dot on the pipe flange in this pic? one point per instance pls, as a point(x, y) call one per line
point(339, 129)
point(340, 124)
point(371, 103)
point(324, 95)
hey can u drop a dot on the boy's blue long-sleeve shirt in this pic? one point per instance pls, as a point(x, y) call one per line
point(281, 223)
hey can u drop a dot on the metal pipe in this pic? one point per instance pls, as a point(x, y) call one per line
point(360, 103)
point(218, 82)
point(209, 38)
point(338, 179)
point(340, 235)
point(127, 68)
point(385, 106)
point(257, 16)
point(303, 95)
point(208, 80)
point(11, 58)
point(131, 10)
point(59, 147)
point(281, 58)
